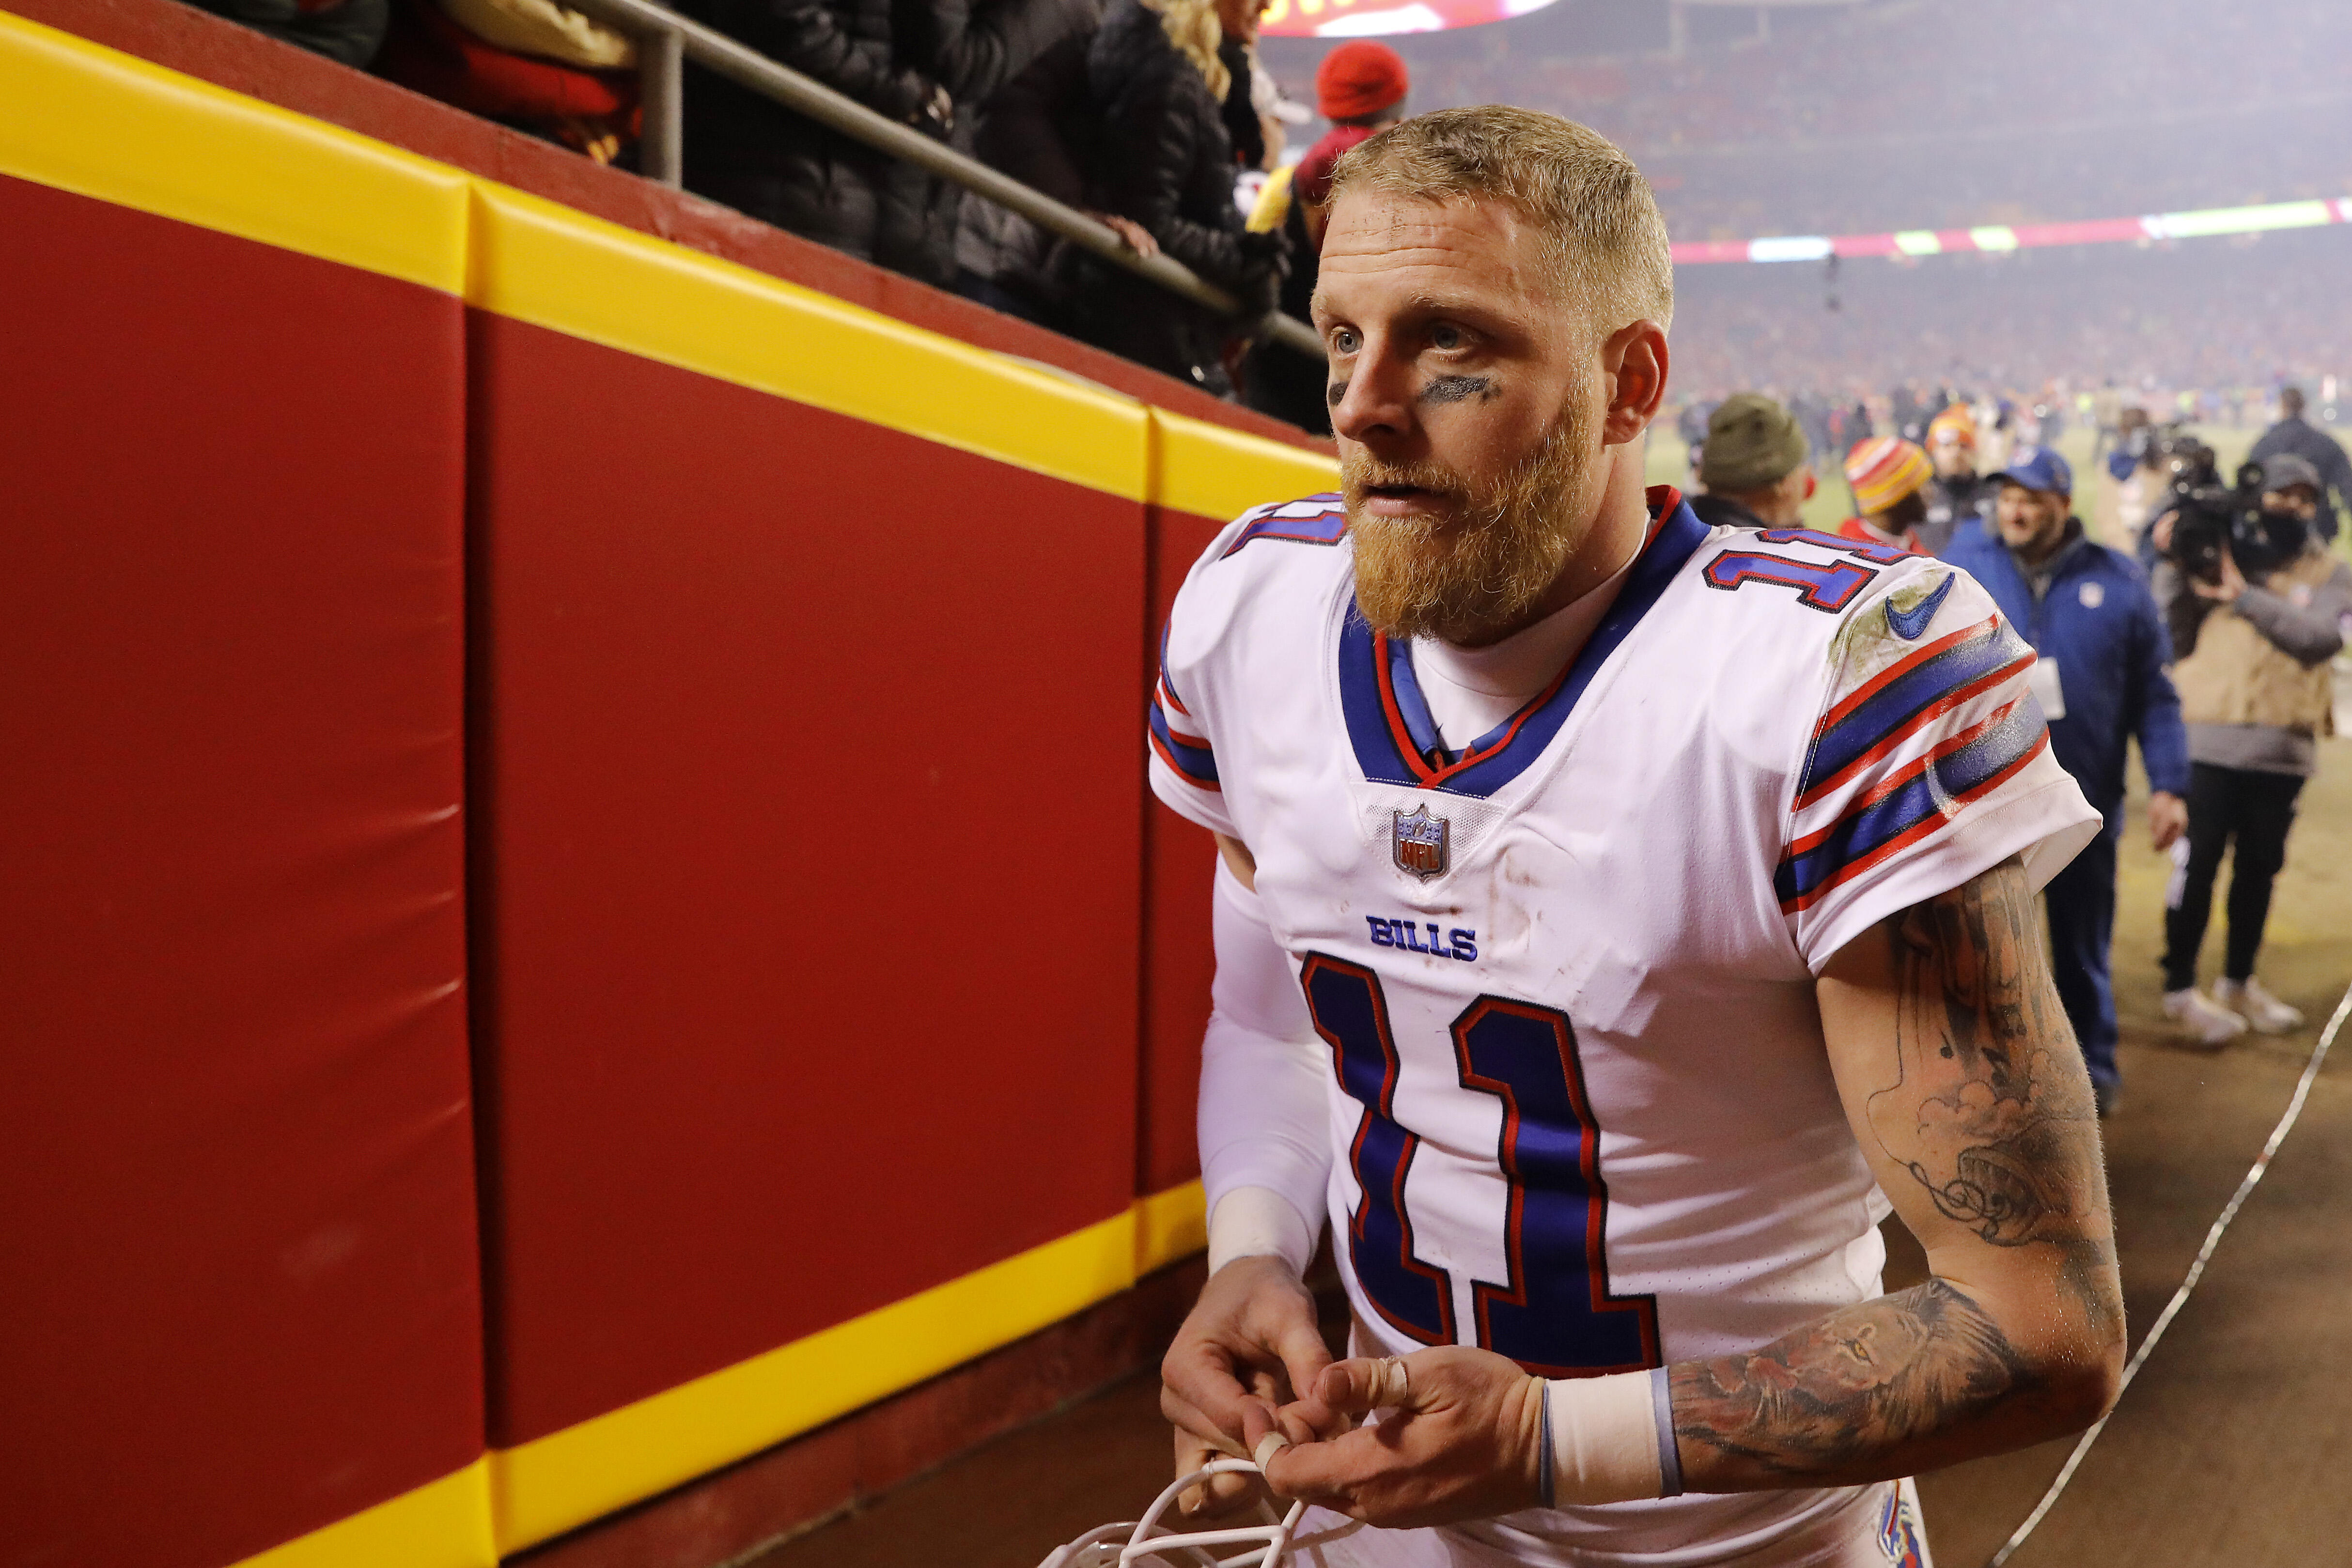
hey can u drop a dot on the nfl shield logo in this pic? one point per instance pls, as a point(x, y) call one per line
point(1421, 841)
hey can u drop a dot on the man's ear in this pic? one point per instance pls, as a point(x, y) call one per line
point(1634, 360)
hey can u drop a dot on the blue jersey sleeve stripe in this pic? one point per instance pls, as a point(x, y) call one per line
point(1167, 686)
point(1328, 527)
point(1901, 700)
point(1885, 555)
point(1193, 758)
point(1913, 805)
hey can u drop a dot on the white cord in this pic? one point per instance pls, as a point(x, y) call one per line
point(2180, 1296)
point(1125, 1544)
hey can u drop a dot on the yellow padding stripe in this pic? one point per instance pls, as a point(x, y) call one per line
point(566, 1479)
point(442, 1524)
point(105, 124)
point(1168, 1226)
point(538, 262)
point(1213, 472)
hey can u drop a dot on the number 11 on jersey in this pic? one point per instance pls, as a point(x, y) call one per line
point(1554, 1315)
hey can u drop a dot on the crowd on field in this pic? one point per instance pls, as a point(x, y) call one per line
point(2201, 630)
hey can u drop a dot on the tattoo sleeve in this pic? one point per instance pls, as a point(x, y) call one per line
point(1983, 1106)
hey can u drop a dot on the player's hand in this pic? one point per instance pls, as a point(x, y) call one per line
point(1249, 1343)
point(2167, 818)
point(1461, 1438)
point(2162, 529)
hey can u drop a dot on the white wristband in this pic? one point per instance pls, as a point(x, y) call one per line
point(1605, 1438)
point(1257, 1221)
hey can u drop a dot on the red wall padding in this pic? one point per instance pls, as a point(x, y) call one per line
point(240, 1293)
point(807, 850)
point(1179, 866)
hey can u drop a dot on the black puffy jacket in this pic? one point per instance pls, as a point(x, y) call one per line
point(351, 31)
point(1163, 158)
point(972, 48)
point(764, 160)
point(1035, 129)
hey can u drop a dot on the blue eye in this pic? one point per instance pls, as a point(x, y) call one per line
point(1343, 341)
point(1445, 337)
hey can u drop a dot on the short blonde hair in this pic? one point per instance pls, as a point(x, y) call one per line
point(1598, 216)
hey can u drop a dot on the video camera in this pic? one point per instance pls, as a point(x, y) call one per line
point(2211, 519)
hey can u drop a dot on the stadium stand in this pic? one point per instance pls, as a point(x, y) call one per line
point(2139, 318)
point(2009, 112)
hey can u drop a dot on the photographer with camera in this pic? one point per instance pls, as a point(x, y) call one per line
point(2100, 680)
point(2256, 607)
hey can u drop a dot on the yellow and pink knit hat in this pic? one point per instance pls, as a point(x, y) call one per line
point(1884, 469)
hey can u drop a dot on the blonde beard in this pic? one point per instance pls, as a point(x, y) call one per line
point(1460, 577)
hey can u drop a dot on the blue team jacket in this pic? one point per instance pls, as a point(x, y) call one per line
point(2101, 624)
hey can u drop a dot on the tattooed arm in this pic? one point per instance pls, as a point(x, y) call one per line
point(1964, 1084)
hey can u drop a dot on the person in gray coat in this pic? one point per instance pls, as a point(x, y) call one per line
point(2256, 693)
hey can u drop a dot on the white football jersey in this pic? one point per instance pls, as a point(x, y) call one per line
point(1581, 1108)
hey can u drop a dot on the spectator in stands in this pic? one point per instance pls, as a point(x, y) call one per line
point(1245, 126)
point(1889, 479)
point(1755, 466)
point(1157, 91)
point(2256, 693)
point(971, 49)
point(1038, 129)
point(2316, 447)
point(351, 31)
point(1360, 86)
point(762, 159)
point(2099, 678)
point(1956, 494)
point(534, 64)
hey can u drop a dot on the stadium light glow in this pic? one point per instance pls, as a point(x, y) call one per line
point(1789, 247)
point(1379, 18)
point(2203, 224)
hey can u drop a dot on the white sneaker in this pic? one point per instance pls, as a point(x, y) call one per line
point(2264, 1012)
point(2210, 1026)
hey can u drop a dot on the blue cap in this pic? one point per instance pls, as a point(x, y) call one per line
point(2039, 468)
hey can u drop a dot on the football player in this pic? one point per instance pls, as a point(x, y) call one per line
point(1615, 917)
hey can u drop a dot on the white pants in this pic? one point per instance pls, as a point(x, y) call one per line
point(1881, 1530)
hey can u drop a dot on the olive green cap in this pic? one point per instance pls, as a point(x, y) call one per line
point(1752, 443)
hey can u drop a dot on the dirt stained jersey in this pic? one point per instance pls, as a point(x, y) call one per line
point(1581, 1107)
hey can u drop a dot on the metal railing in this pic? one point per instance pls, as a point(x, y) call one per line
point(665, 40)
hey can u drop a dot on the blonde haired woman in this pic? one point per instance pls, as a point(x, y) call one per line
point(1165, 161)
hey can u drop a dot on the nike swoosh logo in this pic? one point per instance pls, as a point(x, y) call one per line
point(1909, 623)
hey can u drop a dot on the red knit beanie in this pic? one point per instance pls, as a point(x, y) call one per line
point(1358, 79)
